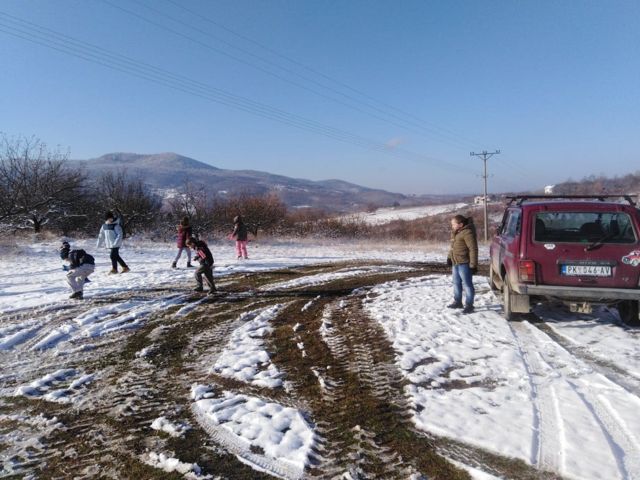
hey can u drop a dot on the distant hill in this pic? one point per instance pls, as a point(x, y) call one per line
point(168, 171)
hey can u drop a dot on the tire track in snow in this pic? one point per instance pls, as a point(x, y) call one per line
point(548, 448)
point(613, 372)
point(559, 367)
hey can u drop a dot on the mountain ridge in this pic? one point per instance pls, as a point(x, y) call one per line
point(170, 171)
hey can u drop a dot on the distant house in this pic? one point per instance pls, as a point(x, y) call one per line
point(479, 200)
point(548, 190)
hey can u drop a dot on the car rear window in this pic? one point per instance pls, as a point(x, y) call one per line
point(579, 227)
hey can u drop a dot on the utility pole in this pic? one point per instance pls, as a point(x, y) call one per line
point(485, 156)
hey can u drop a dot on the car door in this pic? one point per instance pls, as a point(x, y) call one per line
point(507, 243)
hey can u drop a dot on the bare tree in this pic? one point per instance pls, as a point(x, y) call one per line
point(260, 212)
point(36, 186)
point(195, 202)
point(138, 207)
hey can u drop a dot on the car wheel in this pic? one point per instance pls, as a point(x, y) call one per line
point(629, 312)
point(492, 283)
point(507, 297)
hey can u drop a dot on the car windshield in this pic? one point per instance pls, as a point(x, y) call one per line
point(584, 227)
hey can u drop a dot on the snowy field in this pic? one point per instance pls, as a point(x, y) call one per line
point(40, 279)
point(386, 215)
point(271, 381)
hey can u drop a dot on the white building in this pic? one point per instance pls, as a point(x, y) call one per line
point(479, 200)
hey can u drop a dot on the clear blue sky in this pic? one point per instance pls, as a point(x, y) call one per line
point(412, 86)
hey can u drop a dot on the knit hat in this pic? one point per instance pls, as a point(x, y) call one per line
point(64, 250)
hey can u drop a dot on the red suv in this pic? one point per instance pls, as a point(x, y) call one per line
point(581, 250)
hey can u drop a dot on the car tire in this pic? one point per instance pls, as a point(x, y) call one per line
point(629, 311)
point(492, 285)
point(507, 296)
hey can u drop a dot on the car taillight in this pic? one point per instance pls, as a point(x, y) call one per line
point(527, 271)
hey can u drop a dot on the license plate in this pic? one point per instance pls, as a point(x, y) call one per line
point(587, 270)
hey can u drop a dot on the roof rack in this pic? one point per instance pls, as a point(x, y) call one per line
point(522, 198)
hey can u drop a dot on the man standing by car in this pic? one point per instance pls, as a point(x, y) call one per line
point(463, 258)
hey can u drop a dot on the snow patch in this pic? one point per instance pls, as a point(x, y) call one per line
point(174, 429)
point(244, 357)
point(171, 464)
point(279, 434)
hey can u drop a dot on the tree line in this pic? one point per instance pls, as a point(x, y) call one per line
point(41, 191)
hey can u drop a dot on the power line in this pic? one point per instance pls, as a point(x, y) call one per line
point(519, 170)
point(88, 52)
point(351, 102)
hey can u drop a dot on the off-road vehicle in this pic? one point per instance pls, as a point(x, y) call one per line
point(580, 250)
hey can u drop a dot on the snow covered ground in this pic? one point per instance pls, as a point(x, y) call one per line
point(386, 215)
point(32, 274)
point(561, 394)
point(509, 388)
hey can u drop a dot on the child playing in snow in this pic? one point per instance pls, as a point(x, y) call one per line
point(240, 233)
point(111, 234)
point(184, 234)
point(204, 256)
point(81, 265)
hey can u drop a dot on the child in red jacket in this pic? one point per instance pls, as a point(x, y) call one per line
point(184, 233)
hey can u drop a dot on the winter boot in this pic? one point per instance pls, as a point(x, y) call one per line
point(112, 271)
point(455, 305)
point(173, 265)
point(198, 289)
point(76, 296)
point(467, 309)
point(189, 265)
point(125, 270)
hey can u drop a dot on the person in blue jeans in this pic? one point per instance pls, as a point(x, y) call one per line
point(463, 258)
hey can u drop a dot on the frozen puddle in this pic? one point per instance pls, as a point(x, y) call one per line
point(321, 278)
point(263, 434)
point(244, 357)
point(61, 386)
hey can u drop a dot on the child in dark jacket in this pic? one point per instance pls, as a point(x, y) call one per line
point(204, 256)
point(81, 265)
point(184, 233)
point(240, 233)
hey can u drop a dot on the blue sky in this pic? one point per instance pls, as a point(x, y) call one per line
point(386, 94)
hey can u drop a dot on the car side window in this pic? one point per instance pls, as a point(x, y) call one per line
point(512, 227)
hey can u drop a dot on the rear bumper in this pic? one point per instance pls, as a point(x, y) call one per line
point(586, 294)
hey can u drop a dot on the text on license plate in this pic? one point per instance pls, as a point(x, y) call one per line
point(587, 270)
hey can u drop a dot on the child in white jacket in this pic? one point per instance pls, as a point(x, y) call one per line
point(111, 235)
